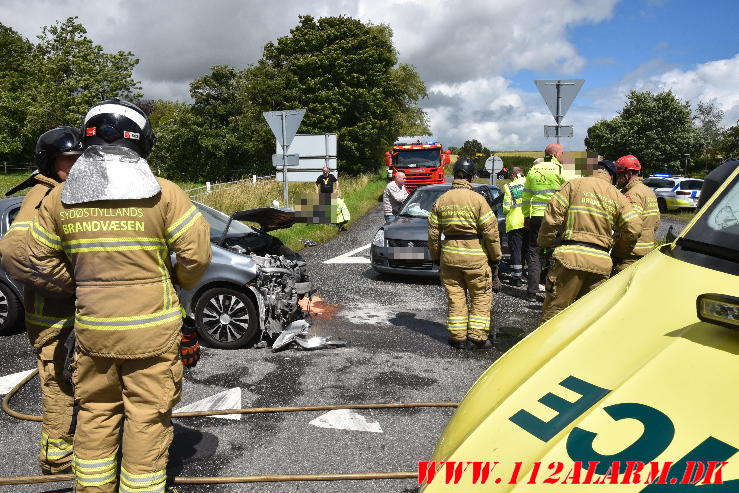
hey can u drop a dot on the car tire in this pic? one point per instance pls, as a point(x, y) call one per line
point(226, 318)
point(662, 205)
point(10, 309)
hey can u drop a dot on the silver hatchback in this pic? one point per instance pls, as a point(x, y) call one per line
point(250, 291)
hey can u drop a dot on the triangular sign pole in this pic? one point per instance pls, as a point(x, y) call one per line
point(284, 124)
point(558, 96)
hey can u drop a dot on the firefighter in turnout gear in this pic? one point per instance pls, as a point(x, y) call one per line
point(48, 320)
point(110, 229)
point(644, 202)
point(514, 228)
point(469, 246)
point(588, 210)
point(542, 181)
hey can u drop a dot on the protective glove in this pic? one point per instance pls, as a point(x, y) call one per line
point(497, 284)
point(189, 347)
point(526, 222)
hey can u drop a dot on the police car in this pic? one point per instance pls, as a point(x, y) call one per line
point(675, 192)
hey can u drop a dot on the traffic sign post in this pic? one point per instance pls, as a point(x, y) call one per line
point(284, 125)
point(494, 165)
point(558, 95)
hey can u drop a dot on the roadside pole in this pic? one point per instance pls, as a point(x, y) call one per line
point(284, 125)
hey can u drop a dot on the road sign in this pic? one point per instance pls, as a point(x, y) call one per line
point(284, 125)
point(559, 95)
point(289, 160)
point(284, 133)
point(494, 164)
point(319, 145)
point(558, 131)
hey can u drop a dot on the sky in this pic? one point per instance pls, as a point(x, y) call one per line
point(478, 58)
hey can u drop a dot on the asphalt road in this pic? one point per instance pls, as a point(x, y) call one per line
point(396, 352)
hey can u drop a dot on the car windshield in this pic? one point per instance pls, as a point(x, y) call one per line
point(417, 158)
point(719, 225)
point(420, 203)
point(217, 221)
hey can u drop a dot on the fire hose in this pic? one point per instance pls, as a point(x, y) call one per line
point(270, 478)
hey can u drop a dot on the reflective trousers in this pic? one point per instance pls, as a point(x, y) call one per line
point(518, 240)
point(137, 394)
point(463, 323)
point(57, 399)
point(534, 256)
point(564, 286)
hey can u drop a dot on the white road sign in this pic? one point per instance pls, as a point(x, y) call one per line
point(284, 133)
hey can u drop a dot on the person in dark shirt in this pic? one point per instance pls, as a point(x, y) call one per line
point(325, 185)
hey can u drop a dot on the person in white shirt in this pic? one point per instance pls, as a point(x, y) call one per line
point(394, 195)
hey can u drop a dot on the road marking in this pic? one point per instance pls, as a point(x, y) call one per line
point(9, 381)
point(346, 419)
point(346, 258)
point(228, 399)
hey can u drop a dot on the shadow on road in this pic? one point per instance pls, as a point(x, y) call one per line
point(434, 330)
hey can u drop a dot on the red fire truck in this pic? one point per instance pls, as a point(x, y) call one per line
point(422, 159)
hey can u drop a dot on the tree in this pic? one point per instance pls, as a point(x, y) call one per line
point(475, 150)
point(344, 73)
point(14, 81)
point(656, 128)
point(708, 118)
point(56, 81)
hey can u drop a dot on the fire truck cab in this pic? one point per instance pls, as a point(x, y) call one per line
point(422, 159)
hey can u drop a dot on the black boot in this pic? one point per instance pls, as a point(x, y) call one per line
point(457, 344)
point(474, 344)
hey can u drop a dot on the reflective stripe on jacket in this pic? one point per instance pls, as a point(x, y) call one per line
point(462, 211)
point(542, 180)
point(644, 202)
point(512, 201)
point(589, 210)
point(46, 317)
point(119, 251)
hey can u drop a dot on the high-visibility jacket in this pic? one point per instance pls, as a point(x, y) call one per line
point(512, 201)
point(46, 317)
point(542, 180)
point(589, 210)
point(463, 212)
point(119, 252)
point(644, 202)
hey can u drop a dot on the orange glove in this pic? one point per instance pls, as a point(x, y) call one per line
point(189, 347)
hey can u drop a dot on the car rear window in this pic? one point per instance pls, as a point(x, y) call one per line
point(659, 183)
point(691, 185)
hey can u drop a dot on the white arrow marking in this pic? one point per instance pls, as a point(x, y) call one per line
point(346, 419)
point(346, 258)
point(9, 381)
point(228, 399)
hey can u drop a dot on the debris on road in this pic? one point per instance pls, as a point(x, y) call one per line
point(296, 335)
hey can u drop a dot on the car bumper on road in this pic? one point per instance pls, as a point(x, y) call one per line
point(403, 261)
point(681, 203)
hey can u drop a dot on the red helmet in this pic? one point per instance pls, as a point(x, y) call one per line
point(627, 163)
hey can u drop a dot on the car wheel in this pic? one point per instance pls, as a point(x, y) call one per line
point(662, 204)
point(226, 318)
point(10, 309)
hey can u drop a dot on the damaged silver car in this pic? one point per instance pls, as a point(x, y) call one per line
point(252, 289)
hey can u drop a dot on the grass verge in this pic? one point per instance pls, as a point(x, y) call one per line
point(360, 194)
point(685, 215)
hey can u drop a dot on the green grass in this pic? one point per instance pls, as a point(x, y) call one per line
point(686, 215)
point(10, 180)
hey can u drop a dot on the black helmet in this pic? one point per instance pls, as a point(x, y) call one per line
point(60, 141)
point(118, 123)
point(715, 179)
point(466, 166)
point(609, 166)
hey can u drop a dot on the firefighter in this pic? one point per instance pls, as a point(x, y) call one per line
point(644, 202)
point(111, 227)
point(542, 181)
point(467, 252)
point(514, 229)
point(48, 320)
point(588, 209)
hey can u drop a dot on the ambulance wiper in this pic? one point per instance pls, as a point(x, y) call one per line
point(708, 249)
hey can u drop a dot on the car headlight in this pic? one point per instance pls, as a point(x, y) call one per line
point(379, 239)
point(719, 309)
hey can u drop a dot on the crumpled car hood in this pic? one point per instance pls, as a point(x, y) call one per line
point(268, 218)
